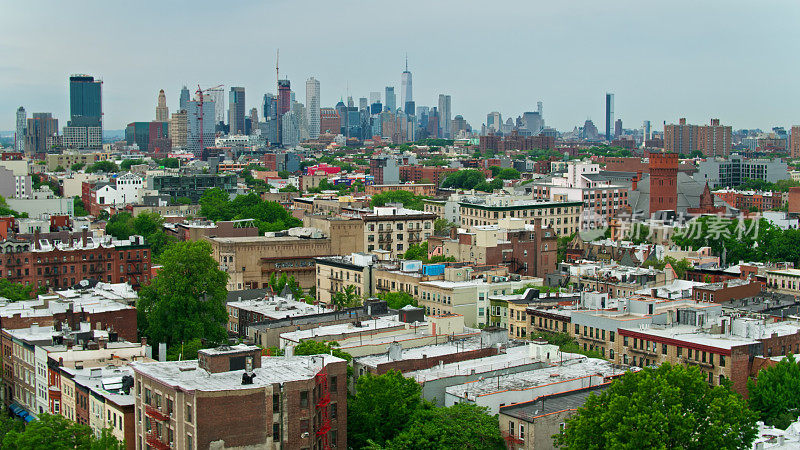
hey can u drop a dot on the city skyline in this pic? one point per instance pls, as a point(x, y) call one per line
point(657, 77)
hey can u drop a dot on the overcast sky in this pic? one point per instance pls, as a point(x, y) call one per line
point(735, 60)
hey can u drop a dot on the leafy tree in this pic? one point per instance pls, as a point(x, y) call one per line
point(541, 289)
point(5, 210)
point(442, 226)
point(284, 174)
point(79, 209)
point(508, 174)
point(667, 407)
point(126, 165)
point(267, 216)
point(464, 179)
point(420, 252)
point(408, 199)
point(461, 426)
point(381, 408)
point(120, 225)
point(77, 166)
point(278, 283)
point(59, 169)
point(346, 298)
point(565, 343)
point(495, 170)
point(775, 394)
point(169, 163)
point(562, 244)
point(289, 188)
point(186, 300)
point(57, 432)
point(312, 347)
point(696, 154)
point(103, 166)
point(17, 291)
point(397, 300)
point(186, 350)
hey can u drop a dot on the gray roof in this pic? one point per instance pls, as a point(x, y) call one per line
point(529, 411)
point(689, 191)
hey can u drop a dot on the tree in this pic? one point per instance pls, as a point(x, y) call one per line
point(508, 174)
point(408, 199)
point(57, 432)
point(288, 188)
point(442, 226)
point(346, 298)
point(284, 174)
point(186, 300)
point(77, 206)
point(17, 291)
point(5, 210)
point(775, 394)
point(120, 225)
point(420, 252)
point(77, 166)
point(59, 169)
point(126, 165)
point(381, 407)
point(268, 216)
point(562, 244)
point(169, 163)
point(461, 426)
point(397, 300)
point(667, 407)
point(103, 166)
point(464, 179)
point(312, 347)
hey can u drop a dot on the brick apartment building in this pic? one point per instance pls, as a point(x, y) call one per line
point(426, 174)
point(515, 141)
point(45, 263)
point(745, 200)
point(233, 397)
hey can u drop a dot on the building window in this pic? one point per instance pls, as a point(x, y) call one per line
point(189, 413)
point(276, 432)
point(722, 360)
point(334, 387)
point(304, 399)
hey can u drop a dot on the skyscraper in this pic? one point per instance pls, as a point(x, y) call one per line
point(646, 130)
point(39, 133)
point(85, 127)
point(218, 97)
point(162, 112)
point(185, 97)
point(391, 100)
point(494, 120)
point(312, 107)
point(609, 114)
point(363, 103)
point(236, 110)
point(617, 128)
point(406, 91)
point(445, 117)
point(19, 137)
point(193, 125)
point(284, 103)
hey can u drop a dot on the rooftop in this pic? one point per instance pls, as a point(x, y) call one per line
point(187, 375)
point(577, 366)
point(49, 304)
point(548, 404)
point(277, 307)
point(513, 357)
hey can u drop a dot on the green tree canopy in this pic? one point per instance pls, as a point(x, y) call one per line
point(77, 166)
point(312, 347)
point(346, 298)
point(17, 291)
point(186, 300)
point(408, 199)
point(149, 225)
point(461, 426)
point(5, 210)
point(397, 300)
point(381, 408)
point(169, 163)
point(126, 164)
point(775, 394)
point(54, 432)
point(77, 205)
point(420, 252)
point(216, 205)
point(103, 166)
point(668, 407)
point(464, 179)
point(508, 174)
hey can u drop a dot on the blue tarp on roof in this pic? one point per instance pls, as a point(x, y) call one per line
point(29, 418)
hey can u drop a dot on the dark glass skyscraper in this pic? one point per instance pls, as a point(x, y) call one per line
point(236, 110)
point(85, 101)
point(609, 115)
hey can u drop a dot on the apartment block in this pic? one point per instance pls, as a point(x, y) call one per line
point(392, 230)
point(336, 273)
point(232, 397)
point(562, 217)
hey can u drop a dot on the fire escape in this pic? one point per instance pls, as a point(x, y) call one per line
point(512, 442)
point(322, 407)
point(152, 436)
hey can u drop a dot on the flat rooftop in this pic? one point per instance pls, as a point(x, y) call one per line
point(513, 357)
point(187, 375)
point(50, 304)
point(548, 404)
point(277, 307)
point(694, 335)
point(577, 366)
point(430, 351)
point(373, 325)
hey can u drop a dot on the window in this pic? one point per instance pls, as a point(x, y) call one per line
point(722, 360)
point(189, 413)
point(334, 410)
point(611, 354)
point(679, 351)
point(276, 402)
point(334, 387)
point(304, 426)
point(625, 341)
point(304, 399)
point(276, 432)
point(611, 336)
point(189, 442)
point(664, 348)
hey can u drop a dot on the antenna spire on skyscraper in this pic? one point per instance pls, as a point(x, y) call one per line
point(406, 62)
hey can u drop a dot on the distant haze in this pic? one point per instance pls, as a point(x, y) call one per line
point(733, 60)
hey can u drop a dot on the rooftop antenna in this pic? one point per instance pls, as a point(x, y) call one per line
point(277, 61)
point(406, 61)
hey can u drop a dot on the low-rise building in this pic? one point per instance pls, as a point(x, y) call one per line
point(232, 397)
point(337, 273)
point(395, 229)
point(562, 217)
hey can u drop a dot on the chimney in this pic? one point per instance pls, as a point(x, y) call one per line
point(84, 236)
point(36, 243)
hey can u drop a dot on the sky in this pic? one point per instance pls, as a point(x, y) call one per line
point(733, 60)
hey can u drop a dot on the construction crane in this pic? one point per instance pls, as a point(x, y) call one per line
point(200, 94)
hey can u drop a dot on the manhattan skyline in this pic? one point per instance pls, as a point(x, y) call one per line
point(660, 62)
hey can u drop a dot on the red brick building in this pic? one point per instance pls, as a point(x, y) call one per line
point(745, 200)
point(663, 182)
point(63, 264)
point(234, 397)
point(428, 174)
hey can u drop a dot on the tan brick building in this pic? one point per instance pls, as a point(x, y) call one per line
point(562, 217)
point(395, 229)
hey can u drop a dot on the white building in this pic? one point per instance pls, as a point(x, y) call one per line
point(312, 110)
